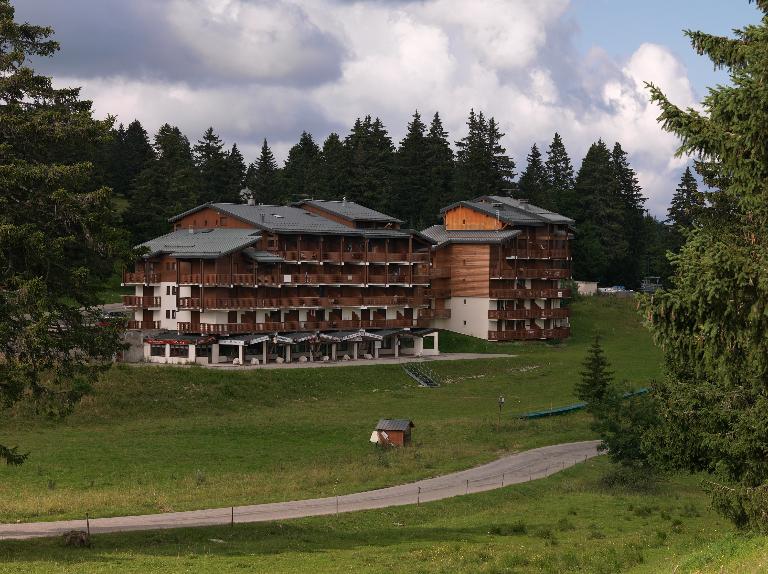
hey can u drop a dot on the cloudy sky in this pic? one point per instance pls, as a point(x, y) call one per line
point(258, 69)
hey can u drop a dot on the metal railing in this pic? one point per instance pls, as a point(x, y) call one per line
point(530, 334)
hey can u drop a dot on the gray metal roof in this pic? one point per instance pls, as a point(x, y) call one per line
point(512, 211)
point(244, 340)
point(441, 236)
point(350, 210)
point(201, 243)
point(394, 425)
point(262, 256)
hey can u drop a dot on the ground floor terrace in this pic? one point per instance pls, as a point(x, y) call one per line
point(171, 347)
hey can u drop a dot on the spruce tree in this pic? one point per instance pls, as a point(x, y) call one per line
point(371, 153)
point(58, 238)
point(627, 266)
point(596, 376)
point(482, 166)
point(264, 178)
point(712, 321)
point(502, 166)
point(687, 202)
point(333, 169)
point(410, 187)
point(236, 175)
point(440, 169)
point(211, 162)
point(560, 181)
point(301, 173)
point(168, 186)
point(533, 181)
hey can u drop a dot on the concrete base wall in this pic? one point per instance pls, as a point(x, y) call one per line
point(469, 316)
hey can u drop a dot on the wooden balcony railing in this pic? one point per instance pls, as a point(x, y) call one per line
point(143, 325)
point(530, 334)
point(318, 302)
point(536, 252)
point(326, 279)
point(509, 273)
point(291, 326)
point(438, 293)
point(189, 303)
point(134, 302)
point(435, 314)
point(530, 293)
point(529, 314)
point(131, 278)
point(189, 279)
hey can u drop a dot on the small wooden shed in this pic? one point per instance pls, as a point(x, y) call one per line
point(392, 432)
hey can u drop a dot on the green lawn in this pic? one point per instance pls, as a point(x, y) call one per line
point(154, 439)
point(569, 522)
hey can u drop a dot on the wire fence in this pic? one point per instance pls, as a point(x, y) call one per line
point(427, 490)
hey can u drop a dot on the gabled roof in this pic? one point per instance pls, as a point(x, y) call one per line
point(511, 211)
point(349, 210)
point(442, 236)
point(201, 243)
point(394, 425)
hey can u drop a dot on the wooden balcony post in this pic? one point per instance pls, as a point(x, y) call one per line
point(367, 264)
point(410, 259)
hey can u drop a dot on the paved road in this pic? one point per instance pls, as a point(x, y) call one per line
point(512, 469)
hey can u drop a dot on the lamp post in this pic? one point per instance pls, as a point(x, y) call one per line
point(501, 404)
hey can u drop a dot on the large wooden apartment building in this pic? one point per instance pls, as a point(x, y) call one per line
point(334, 278)
point(500, 267)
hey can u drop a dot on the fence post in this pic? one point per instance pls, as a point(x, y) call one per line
point(467, 492)
point(232, 517)
point(418, 497)
point(502, 479)
point(88, 524)
point(337, 505)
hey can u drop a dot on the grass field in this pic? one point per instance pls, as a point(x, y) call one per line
point(569, 522)
point(155, 439)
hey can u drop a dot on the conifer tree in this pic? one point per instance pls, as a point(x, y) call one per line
point(301, 173)
point(333, 169)
point(370, 152)
point(627, 266)
point(503, 167)
point(168, 186)
point(482, 166)
point(236, 180)
point(687, 202)
point(440, 169)
point(211, 162)
point(263, 178)
point(533, 181)
point(410, 186)
point(560, 181)
point(712, 322)
point(596, 375)
point(59, 240)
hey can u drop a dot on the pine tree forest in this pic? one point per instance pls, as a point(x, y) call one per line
point(618, 243)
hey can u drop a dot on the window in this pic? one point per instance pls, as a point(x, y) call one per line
point(223, 221)
point(179, 351)
point(157, 350)
point(465, 301)
point(167, 289)
point(173, 314)
point(465, 322)
point(167, 313)
point(173, 290)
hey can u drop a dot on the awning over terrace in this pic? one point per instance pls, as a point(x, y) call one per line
point(361, 335)
point(174, 338)
point(293, 338)
point(244, 340)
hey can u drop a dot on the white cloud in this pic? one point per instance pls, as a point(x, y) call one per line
point(444, 55)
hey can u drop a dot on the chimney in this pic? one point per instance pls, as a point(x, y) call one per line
point(251, 201)
point(191, 230)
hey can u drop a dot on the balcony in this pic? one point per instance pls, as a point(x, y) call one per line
point(435, 314)
point(537, 252)
point(189, 303)
point(143, 325)
point(522, 273)
point(515, 314)
point(530, 334)
point(438, 293)
point(134, 302)
point(288, 326)
point(130, 278)
point(325, 279)
point(189, 279)
point(530, 293)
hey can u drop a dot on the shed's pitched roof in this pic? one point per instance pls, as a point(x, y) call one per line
point(350, 210)
point(512, 211)
point(546, 215)
point(394, 425)
point(442, 236)
point(201, 243)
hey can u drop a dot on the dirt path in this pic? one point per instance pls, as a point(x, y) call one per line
point(512, 469)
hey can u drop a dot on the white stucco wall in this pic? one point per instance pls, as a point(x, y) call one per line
point(469, 315)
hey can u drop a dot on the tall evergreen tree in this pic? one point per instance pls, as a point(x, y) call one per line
point(263, 179)
point(334, 167)
point(712, 322)
point(370, 152)
point(301, 173)
point(168, 186)
point(58, 240)
point(533, 181)
point(236, 175)
point(482, 166)
point(598, 215)
point(410, 186)
point(627, 266)
point(127, 152)
point(211, 162)
point(687, 202)
point(440, 169)
point(596, 376)
point(560, 181)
